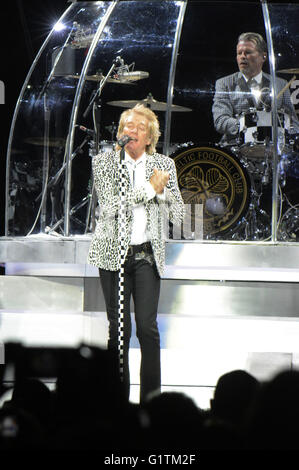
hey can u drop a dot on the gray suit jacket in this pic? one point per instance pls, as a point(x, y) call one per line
point(232, 97)
point(104, 248)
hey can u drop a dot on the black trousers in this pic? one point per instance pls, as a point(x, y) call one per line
point(142, 282)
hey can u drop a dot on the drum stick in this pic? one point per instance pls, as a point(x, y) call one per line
point(286, 86)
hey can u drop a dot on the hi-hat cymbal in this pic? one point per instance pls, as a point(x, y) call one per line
point(149, 102)
point(99, 77)
point(288, 71)
point(126, 78)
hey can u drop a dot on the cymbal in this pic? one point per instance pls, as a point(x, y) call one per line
point(59, 142)
point(149, 102)
point(120, 80)
point(288, 71)
point(97, 78)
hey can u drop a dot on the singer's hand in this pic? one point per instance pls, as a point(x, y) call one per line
point(159, 180)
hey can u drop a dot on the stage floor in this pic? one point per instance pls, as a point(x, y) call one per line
point(195, 352)
point(223, 306)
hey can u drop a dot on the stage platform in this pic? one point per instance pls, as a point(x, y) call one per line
point(222, 306)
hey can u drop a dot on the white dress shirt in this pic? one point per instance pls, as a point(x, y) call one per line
point(136, 170)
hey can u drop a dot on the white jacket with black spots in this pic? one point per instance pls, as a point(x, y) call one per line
point(104, 248)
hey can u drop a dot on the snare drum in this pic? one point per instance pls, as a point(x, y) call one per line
point(255, 129)
point(217, 180)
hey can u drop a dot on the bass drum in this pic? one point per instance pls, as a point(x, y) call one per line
point(219, 182)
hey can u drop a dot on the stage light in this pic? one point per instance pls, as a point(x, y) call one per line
point(256, 93)
point(59, 26)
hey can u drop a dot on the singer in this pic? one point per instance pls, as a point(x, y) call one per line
point(151, 192)
point(248, 88)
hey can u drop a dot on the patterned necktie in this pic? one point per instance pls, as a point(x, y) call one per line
point(252, 83)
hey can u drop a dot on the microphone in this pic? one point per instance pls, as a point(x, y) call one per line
point(126, 73)
point(84, 129)
point(124, 140)
point(131, 76)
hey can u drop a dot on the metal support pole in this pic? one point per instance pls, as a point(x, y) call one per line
point(274, 120)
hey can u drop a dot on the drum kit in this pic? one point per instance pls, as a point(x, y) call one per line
point(248, 160)
point(226, 215)
point(239, 219)
point(254, 149)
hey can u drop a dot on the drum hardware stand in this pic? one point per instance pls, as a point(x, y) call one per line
point(112, 130)
point(96, 105)
point(42, 212)
point(88, 199)
point(288, 222)
point(266, 175)
point(256, 213)
point(91, 198)
point(254, 229)
point(54, 180)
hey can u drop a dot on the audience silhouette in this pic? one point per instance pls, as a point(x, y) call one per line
point(233, 397)
point(175, 421)
point(273, 423)
point(88, 409)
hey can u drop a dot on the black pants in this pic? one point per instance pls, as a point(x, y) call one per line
point(143, 283)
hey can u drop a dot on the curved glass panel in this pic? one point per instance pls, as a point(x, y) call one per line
point(284, 26)
point(36, 152)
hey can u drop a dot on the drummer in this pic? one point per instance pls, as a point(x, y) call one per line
point(248, 88)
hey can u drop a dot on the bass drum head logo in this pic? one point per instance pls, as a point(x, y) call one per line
point(217, 180)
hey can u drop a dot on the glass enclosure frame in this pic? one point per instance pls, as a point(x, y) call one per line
point(101, 38)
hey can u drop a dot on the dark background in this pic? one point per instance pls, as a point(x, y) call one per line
point(26, 24)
